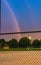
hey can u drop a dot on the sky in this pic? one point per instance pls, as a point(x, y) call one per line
point(20, 15)
point(0, 16)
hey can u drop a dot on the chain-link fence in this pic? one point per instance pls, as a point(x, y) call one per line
point(20, 57)
point(18, 35)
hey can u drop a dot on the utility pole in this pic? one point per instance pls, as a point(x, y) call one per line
point(40, 17)
point(0, 18)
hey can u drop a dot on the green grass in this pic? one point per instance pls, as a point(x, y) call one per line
point(14, 49)
point(36, 49)
point(22, 49)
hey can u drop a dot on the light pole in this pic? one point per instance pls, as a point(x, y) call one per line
point(0, 18)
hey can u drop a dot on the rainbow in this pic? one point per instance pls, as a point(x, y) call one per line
point(13, 16)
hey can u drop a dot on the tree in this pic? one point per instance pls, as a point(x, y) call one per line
point(13, 43)
point(36, 43)
point(2, 43)
point(40, 43)
point(24, 42)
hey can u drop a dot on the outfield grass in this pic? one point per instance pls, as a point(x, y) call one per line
point(22, 49)
point(36, 49)
point(14, 49)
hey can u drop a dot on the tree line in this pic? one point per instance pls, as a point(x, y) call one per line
point(22, 43)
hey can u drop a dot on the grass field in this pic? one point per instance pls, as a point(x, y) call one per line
point(20, 58)
point(22, 49)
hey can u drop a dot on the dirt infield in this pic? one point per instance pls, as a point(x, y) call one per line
point(20, 58)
